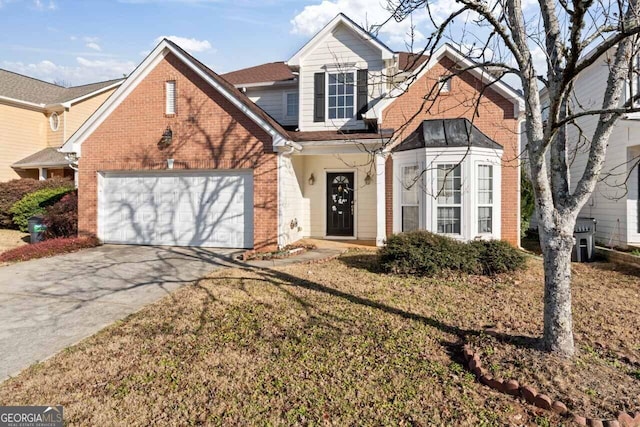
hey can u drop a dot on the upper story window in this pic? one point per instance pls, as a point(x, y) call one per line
point(54, 121)
point(341, 95)
point(449, 199)
point(170, 93)
point(291, 104)
point(485, 198)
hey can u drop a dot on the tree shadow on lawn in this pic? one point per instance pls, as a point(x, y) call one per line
point(368, 261)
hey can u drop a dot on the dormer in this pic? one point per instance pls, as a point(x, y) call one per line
point(341, 72)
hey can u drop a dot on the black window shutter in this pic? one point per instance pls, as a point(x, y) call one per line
point(318, 97)
point(363, 92)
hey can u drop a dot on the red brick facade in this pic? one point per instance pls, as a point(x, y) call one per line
point(208, 133)
point(495, 118)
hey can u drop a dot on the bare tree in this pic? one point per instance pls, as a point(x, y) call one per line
point(573, 36)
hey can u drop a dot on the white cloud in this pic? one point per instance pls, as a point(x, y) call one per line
point(82, 72)
point(44, 5)
point(366, 13)
point(188, 44)
point(94, 46)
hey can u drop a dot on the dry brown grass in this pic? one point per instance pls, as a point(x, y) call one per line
point(333, 344)
point(10, 239)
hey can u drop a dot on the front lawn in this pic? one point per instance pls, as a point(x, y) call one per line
point(334, 343)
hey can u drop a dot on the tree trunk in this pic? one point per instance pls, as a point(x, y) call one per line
point(558, 324)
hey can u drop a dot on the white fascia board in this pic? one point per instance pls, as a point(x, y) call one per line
point(19, 103)
point(340, 19)
point(73, 144)
point(503, 89)
point(68, 104)
point(292, 82)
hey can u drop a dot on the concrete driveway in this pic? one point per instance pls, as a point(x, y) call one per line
point(49, 304)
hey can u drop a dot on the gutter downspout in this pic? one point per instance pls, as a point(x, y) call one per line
point(293, 146)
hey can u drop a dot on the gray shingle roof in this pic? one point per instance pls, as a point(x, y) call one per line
point(47, 157)
point(24, 88)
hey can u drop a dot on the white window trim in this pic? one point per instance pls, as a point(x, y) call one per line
point(353, 71)
point(437, 204)
point(285, 110)
point(479, 205)
point(418, 185)
point(57, 126)
point(170, 108)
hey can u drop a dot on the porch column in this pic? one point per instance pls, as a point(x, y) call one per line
point(42, 174)
point(381, 213)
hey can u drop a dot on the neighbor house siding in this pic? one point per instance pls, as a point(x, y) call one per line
point(495, 118)
point(23, 133)
point(80, 112)
point(55, 138)
point(613, 202)
point(209, 132)
point(340, 47)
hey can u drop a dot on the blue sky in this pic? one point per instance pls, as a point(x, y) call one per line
point(84, 41)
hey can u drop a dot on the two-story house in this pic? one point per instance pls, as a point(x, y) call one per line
point(615, 201)
point(36, 118)
point(344, 140)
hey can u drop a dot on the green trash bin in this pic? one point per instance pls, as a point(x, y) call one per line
point(36, 228)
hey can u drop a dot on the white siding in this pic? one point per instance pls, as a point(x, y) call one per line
point(294, 207)
point(613, 204)
point(365, 195)
point(340, 47)
point(272, 101)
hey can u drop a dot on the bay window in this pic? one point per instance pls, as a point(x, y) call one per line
point(449, 199)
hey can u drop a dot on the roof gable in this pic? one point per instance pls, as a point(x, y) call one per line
point(341, 19)
point(30, 90)
point(236, 97)
point(449, 51)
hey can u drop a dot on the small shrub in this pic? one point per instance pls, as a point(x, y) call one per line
point(61, 218)
point(48, 248)
point(35, 203)
point(14, 190)
point(427, 254)
point(497, 257)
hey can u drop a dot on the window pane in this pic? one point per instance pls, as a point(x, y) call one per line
point(485, 219)
point(485, 184)
point(348, 112)
point(410, 185)
point(449, 220)
point(449, 184)
point(332, 78)
point(410, 220)
point(332, 113)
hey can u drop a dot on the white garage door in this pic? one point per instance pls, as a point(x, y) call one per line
point(212, 209)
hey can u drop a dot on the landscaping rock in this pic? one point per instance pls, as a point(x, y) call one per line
point(496, 384)
point(542, 401)
point(529, 393)
point(611, 423)
point(512, 387)
point(579, 420)
point(486, 379)
point(592, 422)
point(467, 352)
point(627, 420)
point(559, 407)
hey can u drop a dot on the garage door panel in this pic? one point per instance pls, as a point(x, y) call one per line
point(206, 209)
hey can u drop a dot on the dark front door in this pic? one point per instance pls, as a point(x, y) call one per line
point(340, 199)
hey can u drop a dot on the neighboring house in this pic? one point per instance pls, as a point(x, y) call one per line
point(615, 202)
point(265, 156)
point(36, 118)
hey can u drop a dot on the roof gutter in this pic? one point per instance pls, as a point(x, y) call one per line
point(20, 103)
